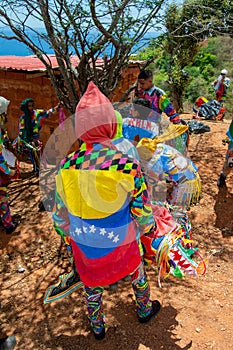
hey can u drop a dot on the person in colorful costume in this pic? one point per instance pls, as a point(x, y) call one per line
point(161, 159)
point(228, 163)
point(157, 97)
point(6, 172)
point(106, 213)
point(138, 124)
point(68, 282)
point(156, 175)
point(30, 124)
point(160, 103)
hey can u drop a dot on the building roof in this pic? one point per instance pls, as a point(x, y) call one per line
point(27, 63)
point(33, 63)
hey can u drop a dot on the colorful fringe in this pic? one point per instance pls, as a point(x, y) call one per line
point(187, 193)
point(174, 257)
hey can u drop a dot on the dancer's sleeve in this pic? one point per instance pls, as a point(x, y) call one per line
point(60, 217)
point(167, 107)
point(141, 209)
point(3, 164)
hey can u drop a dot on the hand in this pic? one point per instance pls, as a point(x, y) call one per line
point(60, 104)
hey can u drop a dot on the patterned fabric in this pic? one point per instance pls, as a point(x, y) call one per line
point(172, 253)
point(28, 143)
point(93, 297)
point(160, 103)
point(125, 146)
point(37, 118)
point(4, 168)
point(5, 214)
point(133, 127)
point(178, 169)
point(4, 180)
point(122, 144)
point(103, 218)
point(180, 143)
point(142, 296)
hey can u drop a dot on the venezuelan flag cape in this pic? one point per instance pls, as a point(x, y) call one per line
point(104, 235)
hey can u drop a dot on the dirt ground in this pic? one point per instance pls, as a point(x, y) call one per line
point(196, 312)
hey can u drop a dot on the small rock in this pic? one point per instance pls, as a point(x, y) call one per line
point(21, 269)
point(198, 330)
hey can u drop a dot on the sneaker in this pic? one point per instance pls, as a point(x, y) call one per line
point(7, 343)
point(11, 229)
point(68, 282)
point(221, 181)
point(100, 336)
point(155, 309)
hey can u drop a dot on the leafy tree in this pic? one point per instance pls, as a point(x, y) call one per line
point(187, 26)
point(89, 29)
point(214, 55)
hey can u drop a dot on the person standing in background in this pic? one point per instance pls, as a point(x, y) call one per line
point(221, 85)
point(157, 97)
point(30, 124)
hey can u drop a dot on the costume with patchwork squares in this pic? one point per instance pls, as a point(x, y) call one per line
point(102, 203)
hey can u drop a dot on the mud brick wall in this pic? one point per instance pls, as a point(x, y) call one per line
point(18, 85)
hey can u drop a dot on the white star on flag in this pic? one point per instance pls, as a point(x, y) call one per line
point(84, 229)
point(78, 230)
point(102, 231)
point(92, 229)
point(116, 239)
point(111, 235)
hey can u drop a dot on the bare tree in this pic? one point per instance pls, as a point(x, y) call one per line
point(88, 29)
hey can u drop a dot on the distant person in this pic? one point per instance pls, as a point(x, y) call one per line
point(157, 97)
point(30, 123)
point(221, 85)
point(6, 172)
point(102, 203)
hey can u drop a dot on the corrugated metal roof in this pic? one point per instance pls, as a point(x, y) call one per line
point(29, 63)
point(33, 63)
